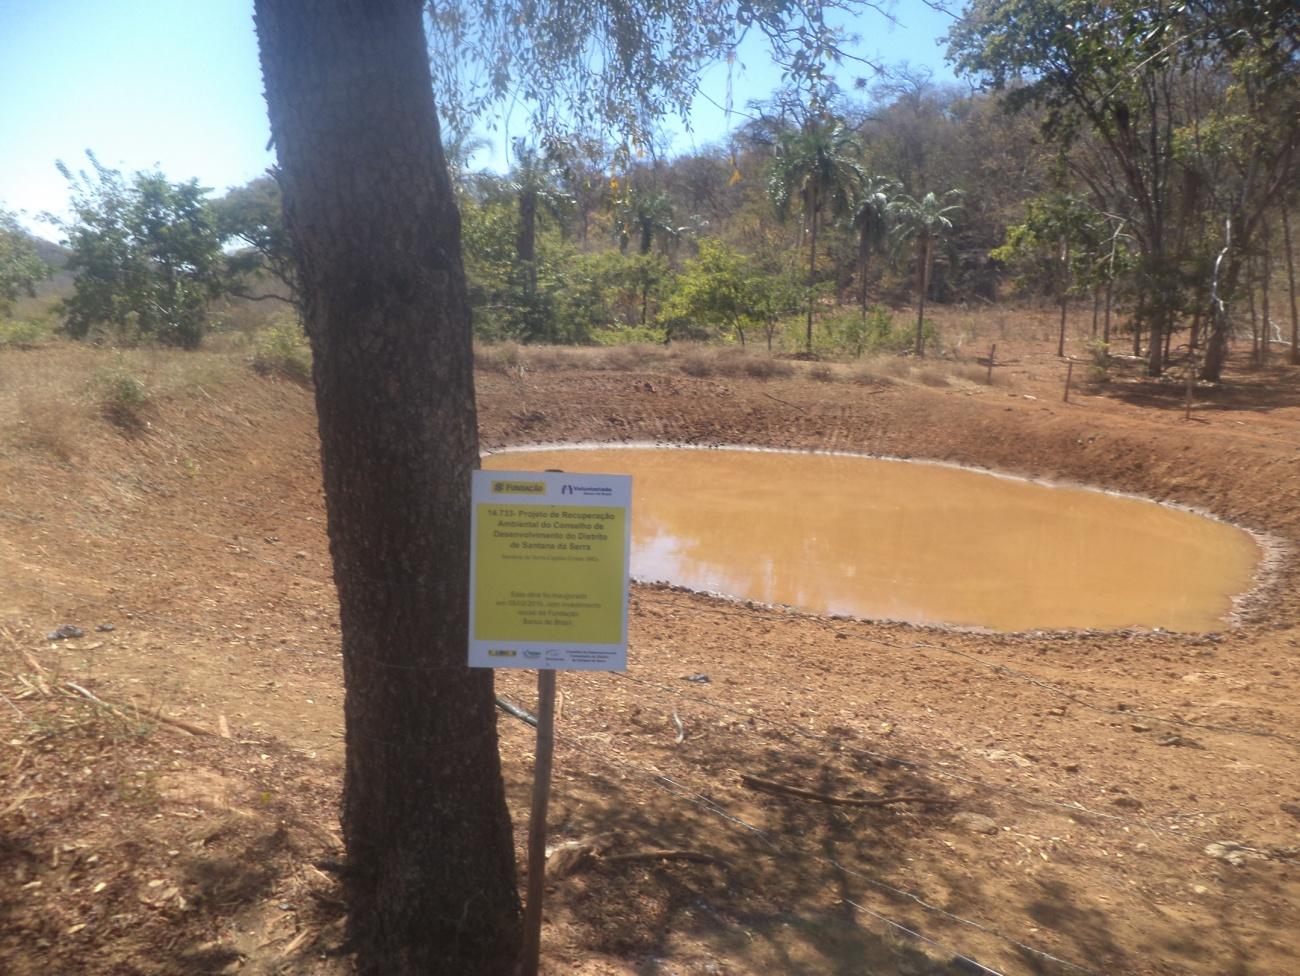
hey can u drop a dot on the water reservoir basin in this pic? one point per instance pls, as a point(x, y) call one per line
point(926, 543)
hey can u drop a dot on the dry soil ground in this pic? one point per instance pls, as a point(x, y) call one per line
point(1104, 802)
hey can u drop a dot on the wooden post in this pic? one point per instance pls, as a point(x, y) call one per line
point(1069, 372)
point(537, 821)
point(993, 351)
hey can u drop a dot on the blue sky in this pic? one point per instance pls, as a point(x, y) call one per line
point(176, 84)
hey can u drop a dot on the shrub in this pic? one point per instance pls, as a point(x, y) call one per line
point(122, 396)
point(698, 363)
point(22, 334)
point(871, 375)
point(1099, 361)
point(282, 350)
point(630, 335)
point(821, 372)
point(766, 368)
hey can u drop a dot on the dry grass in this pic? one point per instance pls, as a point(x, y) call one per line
point(869, 375)
point(693, 359)
point(46, 424)
point(51, 394)
point(634, 357)
point(930, 375)
point(822, 373)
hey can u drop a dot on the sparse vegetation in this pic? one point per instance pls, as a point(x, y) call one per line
point(282, 350)
point(122, 396)
point(22, 333)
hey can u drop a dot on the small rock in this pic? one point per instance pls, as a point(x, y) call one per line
point(1002, 755)
point(976, 823)
point(1071, 767)
point(1139, 727)
point(702, 679)
point(1179, 740)
point(1199, 889)
point(65, 632)
point(105, 628)
point(1235, 854)
point(1127, 802)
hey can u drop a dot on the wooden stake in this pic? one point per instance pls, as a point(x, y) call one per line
point(993, 351)
point(1069, 372)
point(537, 821)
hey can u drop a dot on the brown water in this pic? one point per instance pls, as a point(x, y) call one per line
point(917, 542)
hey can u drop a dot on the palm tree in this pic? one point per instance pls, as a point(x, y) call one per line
point(871, 212)
point(817, 165)
point(647, 214)
point(923, 223)
point(535, 178)
point(459, 147)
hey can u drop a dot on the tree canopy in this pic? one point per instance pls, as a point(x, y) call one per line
point(21, 268)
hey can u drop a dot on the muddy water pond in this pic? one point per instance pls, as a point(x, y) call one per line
point(917, 542)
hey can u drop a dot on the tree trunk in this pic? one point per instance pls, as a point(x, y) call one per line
point(1105, 322)
point(812, 274)
point(1160, 325)
point(429, 874)
point(922, 285)
point(1266, 324)
point(526, 241)
point(1294, 358)
point(1255, 359)
point(1216, 340)
point(1096, 308)
point(1064, 291)
point(863, 248)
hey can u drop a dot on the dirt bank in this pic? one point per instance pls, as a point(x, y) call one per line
point(1072, 782)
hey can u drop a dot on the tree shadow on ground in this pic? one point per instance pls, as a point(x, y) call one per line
point(1275, 387)
point(785, 901)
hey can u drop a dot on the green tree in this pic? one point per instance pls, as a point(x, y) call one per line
point(21, 268)
point(251, 218)
point(871, 211)
point(923, 224)
point(1056, 239)
point(145, 257)
point(429, 872)
point(818, 166)
point(646, 215)
point(721, 289)
point(1127, 84)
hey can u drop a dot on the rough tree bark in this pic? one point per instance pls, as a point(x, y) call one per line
point(1294, 358)
point(923, 285)
point(429, 873)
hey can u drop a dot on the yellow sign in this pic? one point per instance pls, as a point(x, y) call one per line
point(549, 570)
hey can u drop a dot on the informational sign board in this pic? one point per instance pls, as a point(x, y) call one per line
point(549, 563)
